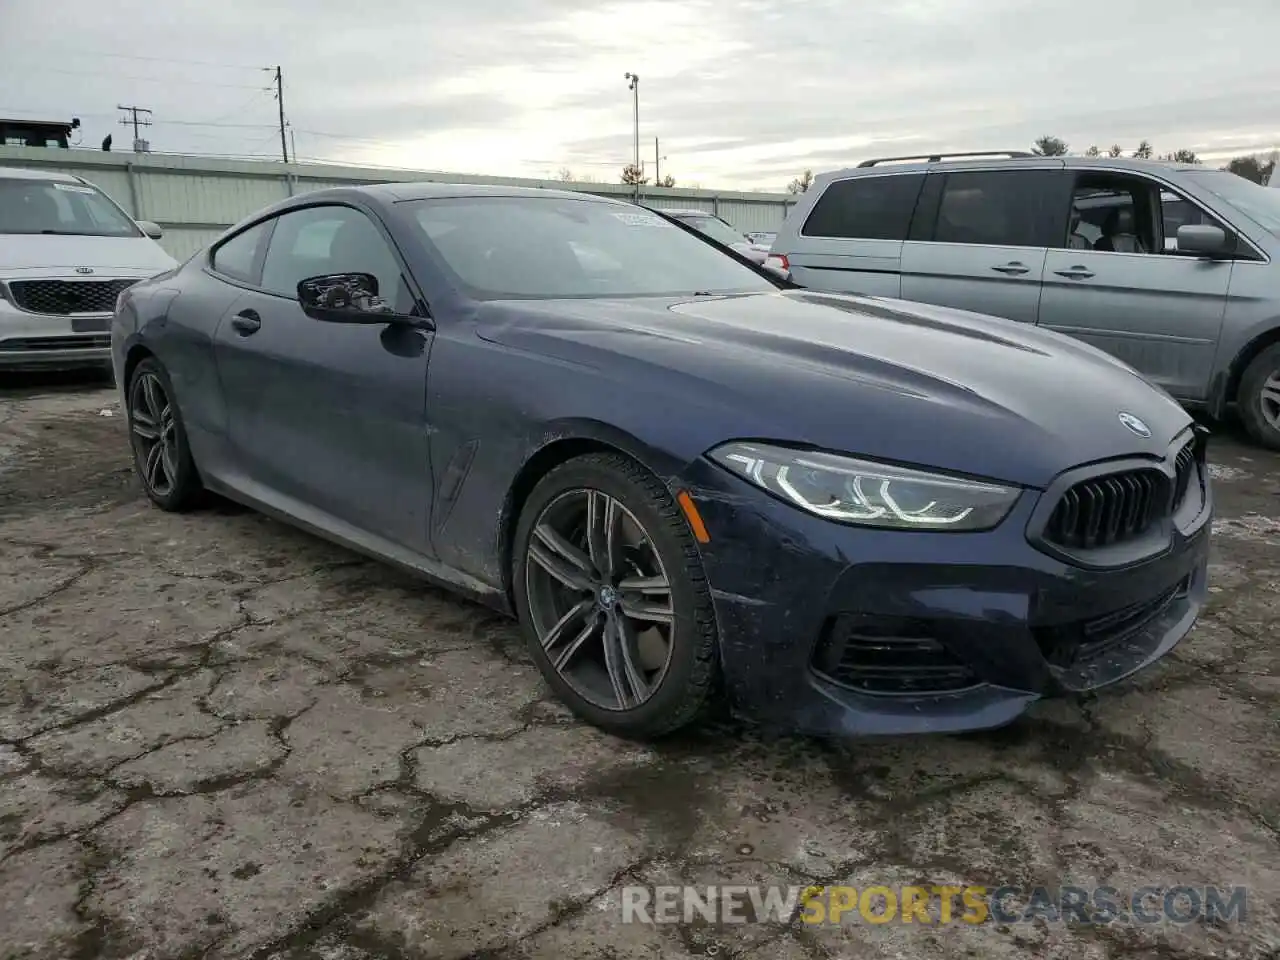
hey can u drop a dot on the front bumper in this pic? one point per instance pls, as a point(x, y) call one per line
point(33, 341)
point(998, 624)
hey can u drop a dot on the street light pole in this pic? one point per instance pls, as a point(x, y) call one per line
point(633, 84)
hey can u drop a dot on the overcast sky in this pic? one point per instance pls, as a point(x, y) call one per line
point(743, 93)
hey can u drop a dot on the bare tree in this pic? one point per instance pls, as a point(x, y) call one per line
point(1144, 151)
point(1093, 151)
point(801, 183)
point(566, 175)
point(667, 181)
point(1049, 147)
point(1183, 156)
point(1115, 151)
point(633, 175)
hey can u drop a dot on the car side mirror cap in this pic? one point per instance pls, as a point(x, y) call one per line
point(151, 229)
point(1205, 239)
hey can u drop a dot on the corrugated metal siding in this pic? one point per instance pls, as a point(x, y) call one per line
point(196, 198)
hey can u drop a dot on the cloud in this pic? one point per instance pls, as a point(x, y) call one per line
point(741, 93)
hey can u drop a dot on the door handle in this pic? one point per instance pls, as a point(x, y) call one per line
point(1075, 273)
point(1013, 268)
point(246, 322)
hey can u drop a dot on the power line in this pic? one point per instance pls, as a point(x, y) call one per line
point(184, 62)
point(210, 123)
point(63, 51)
point(118, 76)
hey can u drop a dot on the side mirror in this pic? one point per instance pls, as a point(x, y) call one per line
point(344, 298)
point(1204, 239)
point(151, 229)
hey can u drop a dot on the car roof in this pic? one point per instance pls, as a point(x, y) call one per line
point(923, 166)
point(26, 173)
point(687, 213)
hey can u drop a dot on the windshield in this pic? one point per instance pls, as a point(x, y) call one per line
point(1260, 204)
point(60, 207)
point(716, 229)
point(519, 248)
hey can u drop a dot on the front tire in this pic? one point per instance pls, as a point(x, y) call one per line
point(161, 455)
point(1259, 397)
point(612, 598)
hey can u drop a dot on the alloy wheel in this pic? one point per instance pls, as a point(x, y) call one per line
point(1270, 399)
point(154, 434)
point(600, 599)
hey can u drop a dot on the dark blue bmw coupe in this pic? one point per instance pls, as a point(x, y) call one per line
point(688, 480)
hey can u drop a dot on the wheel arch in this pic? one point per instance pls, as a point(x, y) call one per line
point(559, 445)
point(1229, 384)
point(137, 353)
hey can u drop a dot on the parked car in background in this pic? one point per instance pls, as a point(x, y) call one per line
point(848, 515)
point(1174, 269)
point(66, 252)
point(720, 231)
point(762, 238)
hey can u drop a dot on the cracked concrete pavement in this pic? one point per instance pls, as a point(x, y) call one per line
point(222, 737)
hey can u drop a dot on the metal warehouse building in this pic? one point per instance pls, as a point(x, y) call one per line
point(196, 198)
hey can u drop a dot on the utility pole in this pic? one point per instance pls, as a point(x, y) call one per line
point(284, 147)
point(134, 111)
point(633, 84)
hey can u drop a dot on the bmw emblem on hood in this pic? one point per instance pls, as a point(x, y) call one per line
point(1136, 425)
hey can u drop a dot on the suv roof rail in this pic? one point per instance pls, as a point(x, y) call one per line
point(939, 157)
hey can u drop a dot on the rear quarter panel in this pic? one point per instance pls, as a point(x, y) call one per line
point(176, 320)
point(869, 267)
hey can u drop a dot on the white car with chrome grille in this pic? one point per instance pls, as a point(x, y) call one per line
point(66, 252)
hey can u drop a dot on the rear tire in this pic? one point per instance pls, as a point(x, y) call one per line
point(161, 454)
point(1259, 397)
point(621, 623)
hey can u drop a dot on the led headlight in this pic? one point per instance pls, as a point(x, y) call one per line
point(868, 493)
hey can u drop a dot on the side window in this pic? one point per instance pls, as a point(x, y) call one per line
point(1178, 212)
point(331, 239)
point(1123, 213)
point(866, 208)
point(235, 258)
point(1002, 208)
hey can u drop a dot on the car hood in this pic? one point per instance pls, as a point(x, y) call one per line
point(46, 254)
point(881, 378)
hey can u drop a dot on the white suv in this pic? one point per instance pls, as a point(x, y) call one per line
point(66, 253)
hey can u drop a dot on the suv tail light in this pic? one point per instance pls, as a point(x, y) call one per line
point(778, 261)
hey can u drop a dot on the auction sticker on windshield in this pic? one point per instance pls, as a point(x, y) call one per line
point(641, 220)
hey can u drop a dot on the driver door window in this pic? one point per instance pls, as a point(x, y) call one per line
point(331, 239)
point(1114, 283)
point(1114, 213)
